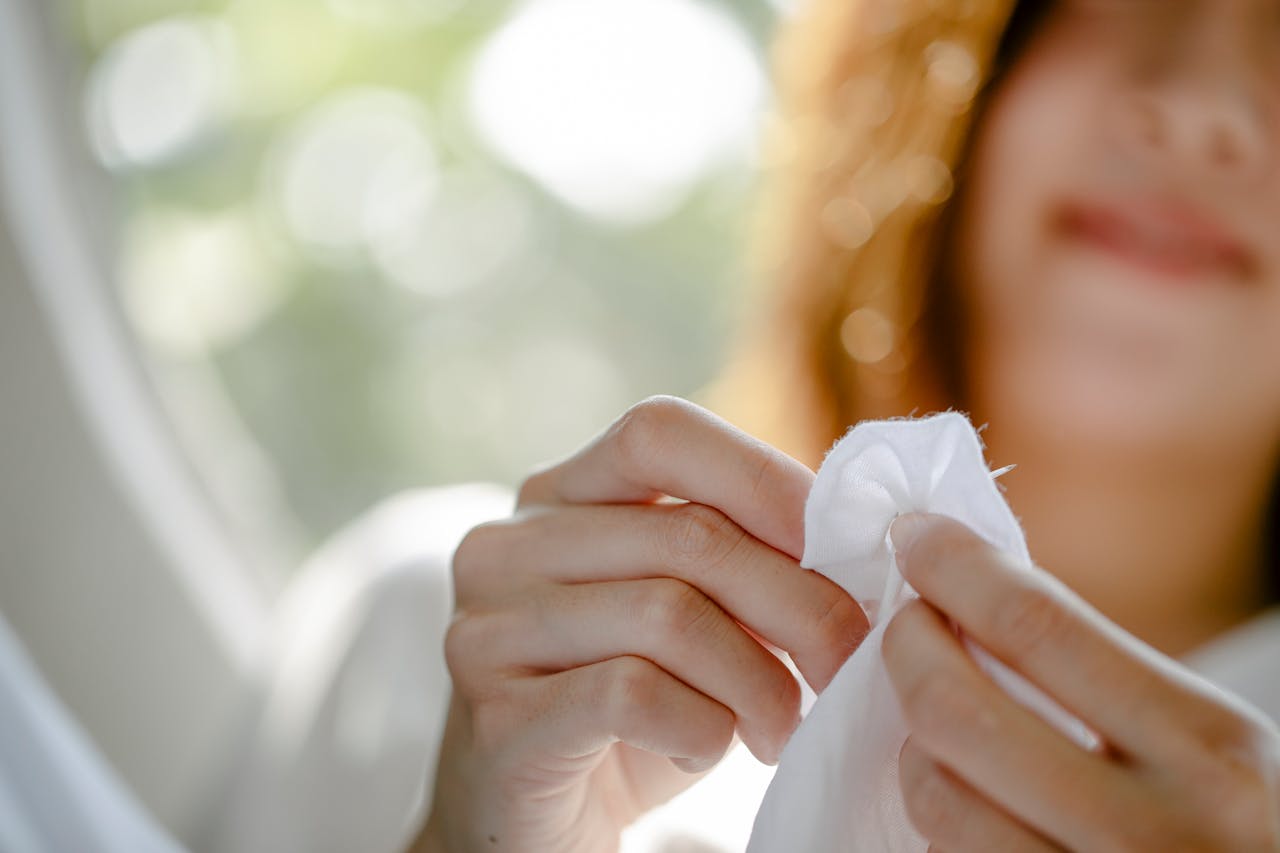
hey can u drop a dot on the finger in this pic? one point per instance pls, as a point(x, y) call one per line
point(799, 611)
point(627, 699)
point(1029, 619)
point(669, 446)
point(953, 816)
point(670, 623)
point(1006, 752)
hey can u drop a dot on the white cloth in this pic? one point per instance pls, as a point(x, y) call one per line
point(836, 785)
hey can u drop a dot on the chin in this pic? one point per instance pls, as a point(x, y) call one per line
point(1098, 394)
point(1092, 353)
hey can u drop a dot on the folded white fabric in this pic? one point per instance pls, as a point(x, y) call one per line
point(836, 785)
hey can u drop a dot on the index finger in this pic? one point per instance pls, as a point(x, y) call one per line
point(1125, 689)
point(669, 446)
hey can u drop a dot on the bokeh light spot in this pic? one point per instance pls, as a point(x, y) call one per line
point(847, 222)
point(867, 335)
point(157, 91)
point(194, 282)
point(360, 164)
point(617, 108)
point(469, 232)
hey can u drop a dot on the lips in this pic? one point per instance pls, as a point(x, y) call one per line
point(1174, 242)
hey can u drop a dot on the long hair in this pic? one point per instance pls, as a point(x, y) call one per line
point(863, 152)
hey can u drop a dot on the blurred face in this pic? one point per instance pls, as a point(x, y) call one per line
point(1119, 239)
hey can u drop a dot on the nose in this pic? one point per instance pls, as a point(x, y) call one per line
point(1203, 117)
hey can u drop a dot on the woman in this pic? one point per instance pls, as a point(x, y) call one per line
point(1080, 253)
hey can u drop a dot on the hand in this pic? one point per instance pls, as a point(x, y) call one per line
point(1184, 765)
point(607, 642)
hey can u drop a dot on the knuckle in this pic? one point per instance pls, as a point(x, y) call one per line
point(946, 542)
point(457, 642)
point(666, 406)
point(699, 536)
point(466, 554)
point(1031, 618)
point(936, 704)
point(1237, 775)
point(841, 625)
point(630, 683)
point(678, 609)
point(534, 487)
point(468, 633)
point(483, 560)
point(639, 433)
point(1223, 736)
point(930, 802)
point(901, 631)
point(476, 549)
point(762, 476)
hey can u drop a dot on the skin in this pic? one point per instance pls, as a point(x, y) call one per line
point(608, 643)
point(1140, 407)
point(1184, 766)
point(615, 635)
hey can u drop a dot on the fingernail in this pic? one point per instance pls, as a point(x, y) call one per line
point(905, 529)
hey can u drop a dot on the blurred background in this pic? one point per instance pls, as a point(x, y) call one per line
point(292, 294)
point(377, 244)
